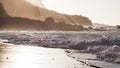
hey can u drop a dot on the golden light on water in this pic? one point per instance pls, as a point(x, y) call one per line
point(24, 58)
point(35, 57)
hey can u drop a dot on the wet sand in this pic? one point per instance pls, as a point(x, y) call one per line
point(91, 60)
point(12, 56)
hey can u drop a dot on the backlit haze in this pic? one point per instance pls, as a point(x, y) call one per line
point(99, 11)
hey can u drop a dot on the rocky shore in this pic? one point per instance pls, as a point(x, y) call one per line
point(97, 56)
point(106, 53)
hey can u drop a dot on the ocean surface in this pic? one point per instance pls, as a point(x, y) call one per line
point(36, 57)
point(23, 49)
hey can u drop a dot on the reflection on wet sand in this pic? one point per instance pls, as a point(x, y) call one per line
point(35, 57)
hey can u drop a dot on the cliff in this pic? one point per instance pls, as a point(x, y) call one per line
point(21, 15)
point(3, 13)
point(15, 23)
point(24, 9)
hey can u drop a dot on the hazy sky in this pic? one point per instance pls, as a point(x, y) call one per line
point(99, 11)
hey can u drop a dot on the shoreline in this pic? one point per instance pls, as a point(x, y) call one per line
point(69, 53)
point(90, 59)
point(89, 42)
point(29, 56)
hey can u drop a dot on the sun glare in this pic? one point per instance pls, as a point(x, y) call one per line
point(37, 3)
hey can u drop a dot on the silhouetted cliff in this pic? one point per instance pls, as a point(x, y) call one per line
point(15, 23)
point(3, 12)
point(22, 8)
point(8, 22)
